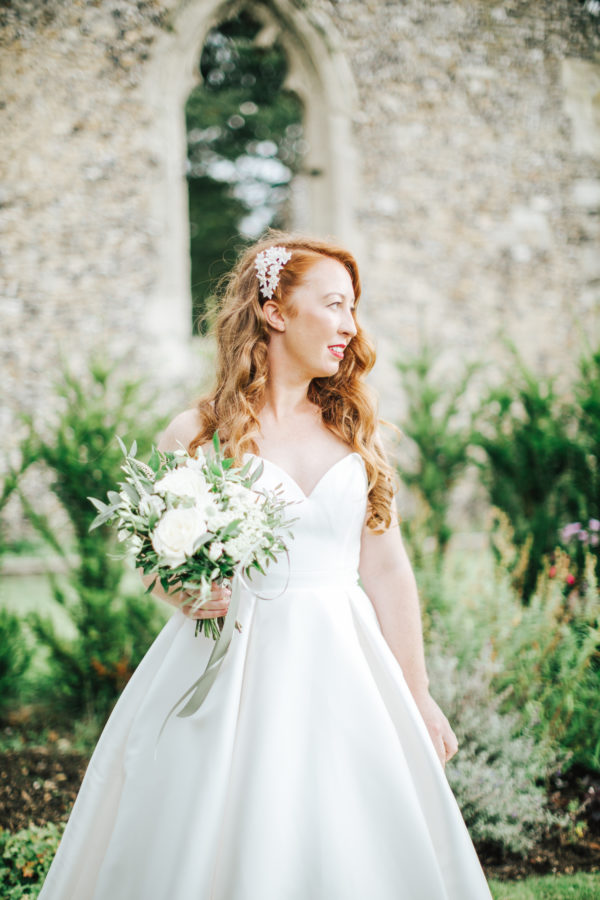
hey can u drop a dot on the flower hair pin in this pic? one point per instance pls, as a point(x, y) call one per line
point(268, 264)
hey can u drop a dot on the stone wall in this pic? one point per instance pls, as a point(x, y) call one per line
point(476, 200)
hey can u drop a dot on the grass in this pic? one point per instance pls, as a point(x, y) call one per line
point(582, 886)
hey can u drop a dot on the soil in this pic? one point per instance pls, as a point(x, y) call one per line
point(39, 785)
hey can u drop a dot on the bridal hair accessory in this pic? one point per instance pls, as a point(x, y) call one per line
point(268, 264)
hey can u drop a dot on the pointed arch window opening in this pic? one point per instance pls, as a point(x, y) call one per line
point(245, 141)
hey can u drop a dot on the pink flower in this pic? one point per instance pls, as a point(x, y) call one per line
point(594, 524)
point(570, 530)
point(552, 572)
point(582, 535)
point(570, 579)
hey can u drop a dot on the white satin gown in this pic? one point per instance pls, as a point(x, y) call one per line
point(307, 773)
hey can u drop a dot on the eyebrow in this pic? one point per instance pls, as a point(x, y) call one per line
point(339, 294)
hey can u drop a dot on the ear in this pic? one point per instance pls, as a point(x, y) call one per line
point(273, 315)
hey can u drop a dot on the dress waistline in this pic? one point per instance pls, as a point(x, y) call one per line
point(276, 582)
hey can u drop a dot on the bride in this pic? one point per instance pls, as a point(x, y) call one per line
point(314, 768)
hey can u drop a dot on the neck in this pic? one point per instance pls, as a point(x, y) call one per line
point(286, 393)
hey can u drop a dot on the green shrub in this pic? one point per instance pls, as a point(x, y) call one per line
point(83, 457)
point(25, 858)
point(547, 653)
point(550, 655)
point(587, 398)
point(531, 455)
point(433, 425)
point(85, 673)
point(15, 656)
point(586, 474)
point(498, 775)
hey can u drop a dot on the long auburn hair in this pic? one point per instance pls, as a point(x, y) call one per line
point(347, 405)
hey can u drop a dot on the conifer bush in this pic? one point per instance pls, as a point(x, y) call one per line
point(15, 656)
point(112, 628)
point(526, 435)
point(439, 429)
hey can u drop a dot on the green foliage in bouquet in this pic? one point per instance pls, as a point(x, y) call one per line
point(433, 425)
point(112, 629)
point(499, 774)
point(25, 858)
point(530, 453)
point(191, 521)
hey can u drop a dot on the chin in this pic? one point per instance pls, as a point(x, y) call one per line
point(329, 370)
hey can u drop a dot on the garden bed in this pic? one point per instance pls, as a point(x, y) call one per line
point(39, 785)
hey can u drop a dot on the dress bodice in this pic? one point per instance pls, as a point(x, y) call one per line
point(328, 526)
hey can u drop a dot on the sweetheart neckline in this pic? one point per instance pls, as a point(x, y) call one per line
point(293, 480)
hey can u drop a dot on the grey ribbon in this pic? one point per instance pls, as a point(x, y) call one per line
point(198, 691)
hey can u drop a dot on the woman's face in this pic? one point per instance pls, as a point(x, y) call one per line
point(318, 323)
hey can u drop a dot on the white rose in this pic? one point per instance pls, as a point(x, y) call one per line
point(177, 534)
point(215, 550)
point(184, 482)
point(196, 462)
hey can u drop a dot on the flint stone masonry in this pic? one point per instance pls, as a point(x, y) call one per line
point(462, 164)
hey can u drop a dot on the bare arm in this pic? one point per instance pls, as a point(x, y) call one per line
point(389, 582)
point(181, 431)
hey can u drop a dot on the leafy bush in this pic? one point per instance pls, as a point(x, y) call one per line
point(587, 398)
point(432, 423)
point(498, 776)
point(550, 655)
point(15, 656)
point(526, 436)
point(86, 673)
point(25, 858)
point(112, 630)
point(547, 653)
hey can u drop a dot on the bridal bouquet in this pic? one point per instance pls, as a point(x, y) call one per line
point(193, 520)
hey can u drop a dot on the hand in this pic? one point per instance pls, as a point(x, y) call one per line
point(440, 732)
point(214, 608)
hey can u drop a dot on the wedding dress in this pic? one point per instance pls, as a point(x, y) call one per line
point(307, 773)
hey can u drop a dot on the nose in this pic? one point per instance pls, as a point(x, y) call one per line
point(348, 325)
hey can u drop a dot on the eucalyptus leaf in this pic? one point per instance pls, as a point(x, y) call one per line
point(100, 506)
point(121, 445)
point(257, 473)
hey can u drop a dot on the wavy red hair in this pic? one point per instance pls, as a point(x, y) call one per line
point(348, 407)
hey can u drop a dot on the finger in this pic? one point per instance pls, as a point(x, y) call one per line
point(208, 614)
point(451, 748)
point(440, 750)
point(212, 609)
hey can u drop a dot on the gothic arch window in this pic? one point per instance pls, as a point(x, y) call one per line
point(245, 144)
point(323, 192)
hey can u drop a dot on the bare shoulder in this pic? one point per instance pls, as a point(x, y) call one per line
point(181, 430)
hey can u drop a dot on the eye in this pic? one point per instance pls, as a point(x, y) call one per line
point(336, 303)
